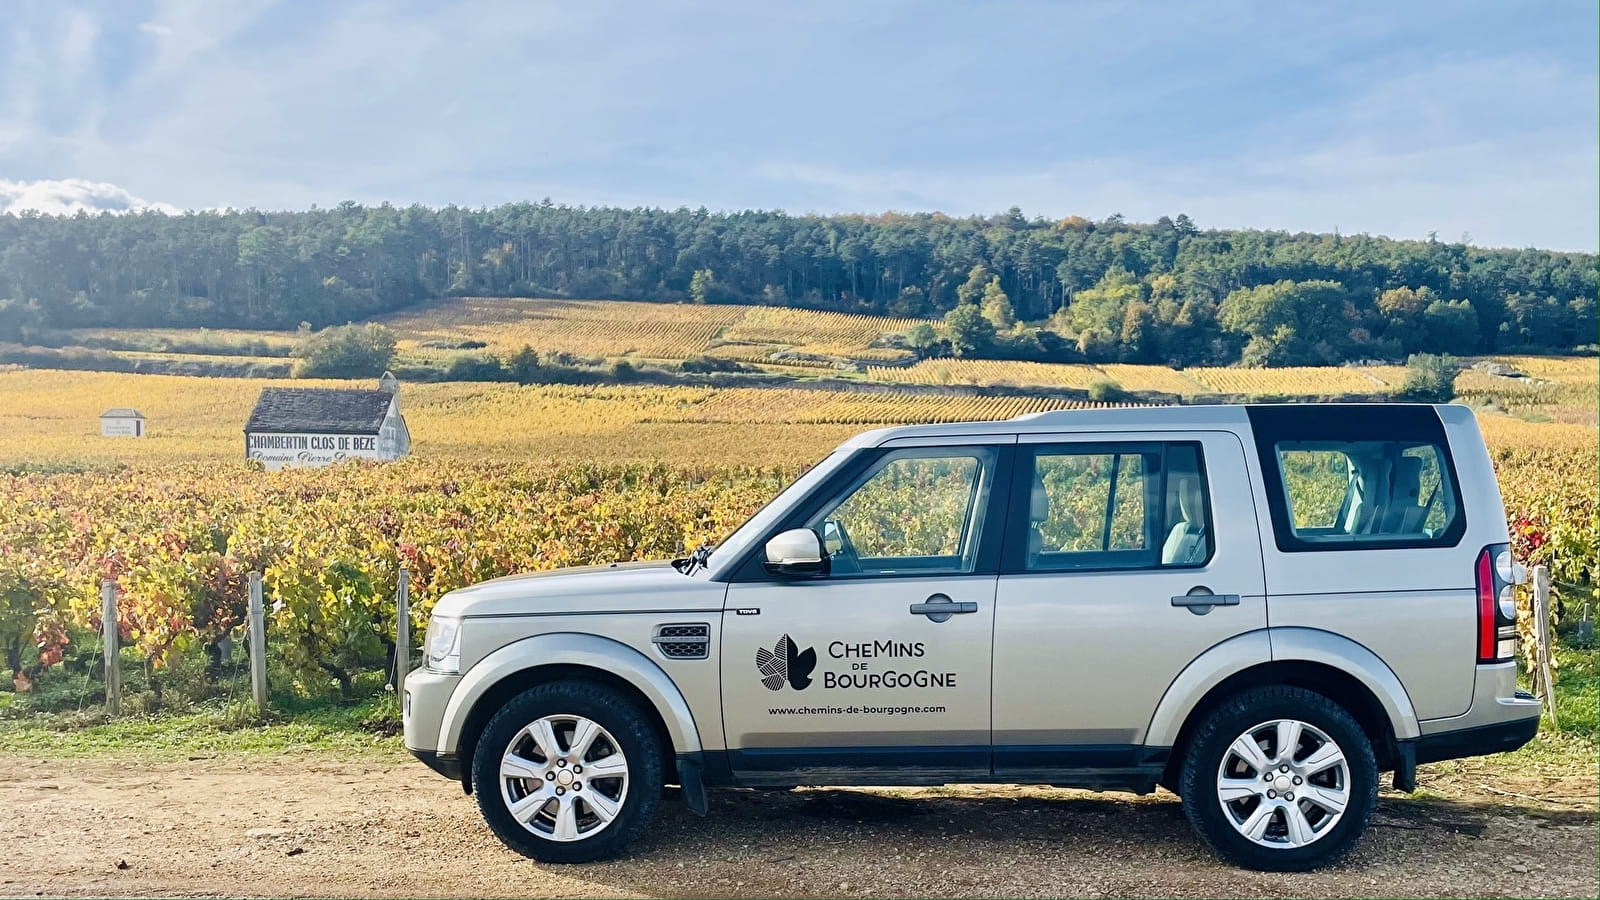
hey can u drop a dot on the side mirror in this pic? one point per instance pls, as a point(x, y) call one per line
point(796, 552)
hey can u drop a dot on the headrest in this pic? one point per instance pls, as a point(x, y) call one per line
point(1408, 477)
point(1038, 502)
point(1191, 502)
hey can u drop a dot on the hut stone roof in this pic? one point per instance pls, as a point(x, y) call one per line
point(319, 411)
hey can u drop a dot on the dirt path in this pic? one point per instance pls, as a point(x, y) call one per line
point(306, 824)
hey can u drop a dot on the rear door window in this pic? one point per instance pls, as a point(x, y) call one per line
point(1102, 506)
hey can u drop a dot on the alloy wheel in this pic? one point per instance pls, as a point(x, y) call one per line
point(564, 777)
point(1283, 784)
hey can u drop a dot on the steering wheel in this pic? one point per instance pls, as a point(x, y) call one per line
point(843, 561)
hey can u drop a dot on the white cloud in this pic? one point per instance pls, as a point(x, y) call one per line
point(69, 196)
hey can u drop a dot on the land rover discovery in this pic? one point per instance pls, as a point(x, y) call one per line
point(1259, 608)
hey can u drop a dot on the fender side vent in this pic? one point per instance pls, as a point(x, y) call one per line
point(683, 640)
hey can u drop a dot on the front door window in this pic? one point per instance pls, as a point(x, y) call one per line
point(915, 511)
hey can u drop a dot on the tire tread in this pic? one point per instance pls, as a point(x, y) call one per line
point(619, 715)
point(1198, 770)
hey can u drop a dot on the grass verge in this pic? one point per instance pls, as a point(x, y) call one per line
point(44, 726)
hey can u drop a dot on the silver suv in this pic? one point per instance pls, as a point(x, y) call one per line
point(1259, 608)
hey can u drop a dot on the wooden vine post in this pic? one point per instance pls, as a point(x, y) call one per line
point(108, 638)
point(402, 632)
point(258, 645)
point(1542, 640)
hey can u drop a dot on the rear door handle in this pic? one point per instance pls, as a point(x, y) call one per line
point(940, 608)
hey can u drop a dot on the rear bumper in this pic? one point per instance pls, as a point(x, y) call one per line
point(1495, 701)
point(1479, 741)
point(1501, 718)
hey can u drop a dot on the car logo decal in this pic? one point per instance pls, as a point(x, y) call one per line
point(783, 663)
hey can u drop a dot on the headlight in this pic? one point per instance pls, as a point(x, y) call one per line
point(444, 644)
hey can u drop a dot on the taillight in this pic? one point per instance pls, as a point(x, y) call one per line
point(1497, 606)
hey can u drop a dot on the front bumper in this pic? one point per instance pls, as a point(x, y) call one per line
point(427, 695)
point(448, 766)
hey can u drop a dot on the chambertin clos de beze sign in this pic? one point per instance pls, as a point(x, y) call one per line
point(311, 449)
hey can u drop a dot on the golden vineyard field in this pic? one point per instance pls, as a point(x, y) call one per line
point(1568, 383)
point(1303, 381)
point(665, 331)
point(807, 343)
point(989, 373)
point(583, 328)
point(503, 478)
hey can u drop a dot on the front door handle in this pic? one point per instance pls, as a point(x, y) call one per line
point(1200, 600)
point(940, 608)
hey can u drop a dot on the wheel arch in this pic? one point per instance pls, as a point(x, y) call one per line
point(1334, 666)
point(544, 658)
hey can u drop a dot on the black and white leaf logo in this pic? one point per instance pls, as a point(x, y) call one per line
point(784, 664)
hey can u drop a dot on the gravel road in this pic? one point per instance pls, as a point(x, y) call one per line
point(307, 824)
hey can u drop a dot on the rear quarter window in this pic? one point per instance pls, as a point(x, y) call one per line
point(1358, 477)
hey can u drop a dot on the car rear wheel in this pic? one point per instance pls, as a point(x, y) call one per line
point(1280, 779)
point(568, 772)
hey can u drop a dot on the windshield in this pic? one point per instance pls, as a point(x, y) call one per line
point(735, 545)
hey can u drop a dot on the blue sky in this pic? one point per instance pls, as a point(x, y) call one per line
point(1458, 117)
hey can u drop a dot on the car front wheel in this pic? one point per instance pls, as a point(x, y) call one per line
point(1280, 779)
point(568, 772)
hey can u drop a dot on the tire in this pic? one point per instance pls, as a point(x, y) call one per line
point(548, 808)
point(1259, 827)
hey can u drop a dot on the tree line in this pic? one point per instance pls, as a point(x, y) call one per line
point(1108, 290)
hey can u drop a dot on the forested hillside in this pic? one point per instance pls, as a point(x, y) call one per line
point(1101, 291)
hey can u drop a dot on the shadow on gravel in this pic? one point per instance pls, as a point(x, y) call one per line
point(1468, 817)
point(1098, 823)
point(841, 815)
point(1030, 841)
point(860, 807)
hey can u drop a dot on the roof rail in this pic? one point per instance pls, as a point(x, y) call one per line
point(1198, 413)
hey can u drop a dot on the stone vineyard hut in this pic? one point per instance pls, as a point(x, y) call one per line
point(121, 422)
point(316, 426)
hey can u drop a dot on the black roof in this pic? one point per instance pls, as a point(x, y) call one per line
point(319, 410)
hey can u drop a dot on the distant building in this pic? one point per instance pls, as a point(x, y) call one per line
point(121, 422)
point(318, 426)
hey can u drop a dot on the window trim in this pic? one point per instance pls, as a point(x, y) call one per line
point(750, 568)
point(1331, 422)
point(1014, 559)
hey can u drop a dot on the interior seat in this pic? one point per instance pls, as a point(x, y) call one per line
point(1186, 541)
point(1038, 512)
point(1405, 513)
point(1369, 492)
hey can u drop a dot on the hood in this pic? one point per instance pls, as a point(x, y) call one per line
point(618, 587)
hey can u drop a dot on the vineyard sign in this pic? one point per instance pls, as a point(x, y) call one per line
point(318, 426)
